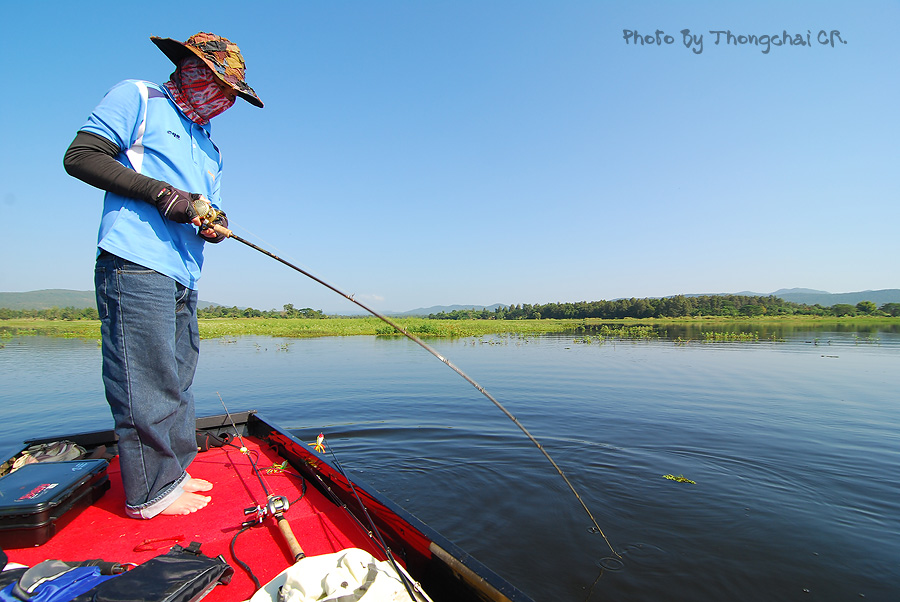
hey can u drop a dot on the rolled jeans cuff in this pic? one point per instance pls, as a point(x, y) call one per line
point(161, 502)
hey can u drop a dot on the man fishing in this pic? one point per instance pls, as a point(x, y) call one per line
point(149, 147)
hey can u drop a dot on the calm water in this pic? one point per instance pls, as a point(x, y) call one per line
point(794, 446)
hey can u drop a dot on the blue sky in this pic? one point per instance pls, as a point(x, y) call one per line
point(417, 153)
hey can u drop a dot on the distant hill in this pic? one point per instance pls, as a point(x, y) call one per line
point(436, 309)
point(825, 299)
point(56, 297)
point(47, 298)
point(880, 297)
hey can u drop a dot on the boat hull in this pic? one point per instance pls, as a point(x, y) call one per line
point(334, 513)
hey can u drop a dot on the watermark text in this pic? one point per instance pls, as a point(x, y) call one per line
point(726, 37)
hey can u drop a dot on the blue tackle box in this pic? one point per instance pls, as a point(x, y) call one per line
point(38, 500)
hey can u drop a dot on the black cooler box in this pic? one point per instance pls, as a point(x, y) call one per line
point(38, 500)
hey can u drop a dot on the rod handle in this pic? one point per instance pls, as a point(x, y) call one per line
point(285, 528)
point(221, 230)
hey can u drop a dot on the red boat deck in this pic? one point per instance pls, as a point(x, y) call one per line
point(104, 531)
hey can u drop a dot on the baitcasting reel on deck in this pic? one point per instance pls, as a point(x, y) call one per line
point(276, 506)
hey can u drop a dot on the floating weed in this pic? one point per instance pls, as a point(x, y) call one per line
point(679, 479)
point(730, 337)
point(868, 339)
point(628, 332)
point(522, 339)
point(618, 332)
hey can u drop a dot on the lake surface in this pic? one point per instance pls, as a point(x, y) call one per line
point(793, 443)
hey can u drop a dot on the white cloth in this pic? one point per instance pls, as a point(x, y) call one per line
point(350, 575)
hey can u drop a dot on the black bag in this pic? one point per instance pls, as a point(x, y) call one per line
point(8, 576)
point(207, 441)
point(181, 575)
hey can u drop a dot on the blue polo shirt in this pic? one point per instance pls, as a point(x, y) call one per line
point(157, 140)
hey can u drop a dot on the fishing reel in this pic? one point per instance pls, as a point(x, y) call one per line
point(205, 211)
point(276, 505)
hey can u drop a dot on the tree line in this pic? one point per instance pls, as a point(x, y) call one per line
point(53, 313)
point(213, 311)
point(287, 311)
point(669, 307)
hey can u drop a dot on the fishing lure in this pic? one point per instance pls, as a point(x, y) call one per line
point(319, 445)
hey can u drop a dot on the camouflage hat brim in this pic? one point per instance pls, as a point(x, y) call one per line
point(220, 54)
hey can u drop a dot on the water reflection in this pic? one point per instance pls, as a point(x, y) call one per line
point(791, 444)
point(802, 331)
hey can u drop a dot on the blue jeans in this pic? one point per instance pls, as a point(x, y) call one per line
point(150, 344)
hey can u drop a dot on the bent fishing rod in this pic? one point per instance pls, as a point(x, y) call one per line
point(208, 215)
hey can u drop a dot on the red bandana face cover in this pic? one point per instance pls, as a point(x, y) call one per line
point(198, 92)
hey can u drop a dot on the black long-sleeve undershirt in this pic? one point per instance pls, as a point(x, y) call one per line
point(92, 159)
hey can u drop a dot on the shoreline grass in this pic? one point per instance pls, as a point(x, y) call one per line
point(211, 328)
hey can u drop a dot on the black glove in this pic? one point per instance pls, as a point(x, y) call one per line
point(176, 205)
point(220, 220)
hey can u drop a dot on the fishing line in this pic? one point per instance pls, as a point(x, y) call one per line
point(276, 505)
point(244, 450)
point(375, 530)
point(339, 502)
point(283, 507)
point(229, 234)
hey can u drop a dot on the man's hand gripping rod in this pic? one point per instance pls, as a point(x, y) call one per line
point(208, 215)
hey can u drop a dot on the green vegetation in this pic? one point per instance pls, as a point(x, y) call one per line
point(303, 327)
point(679, 306)
point(78, 329)
point(53, 313)
point(728, 337)
point(421, 327)
point(633, 331)
point(680, 330)
point(708, 318)
point(621, 332)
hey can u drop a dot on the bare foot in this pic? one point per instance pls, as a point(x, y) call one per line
point(186, 503)
point(195, 485)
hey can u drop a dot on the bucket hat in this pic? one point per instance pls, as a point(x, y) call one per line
point(220, 54)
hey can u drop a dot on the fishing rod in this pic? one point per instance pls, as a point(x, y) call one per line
point(403, 576)
point(276, 505)
point(208, 214)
